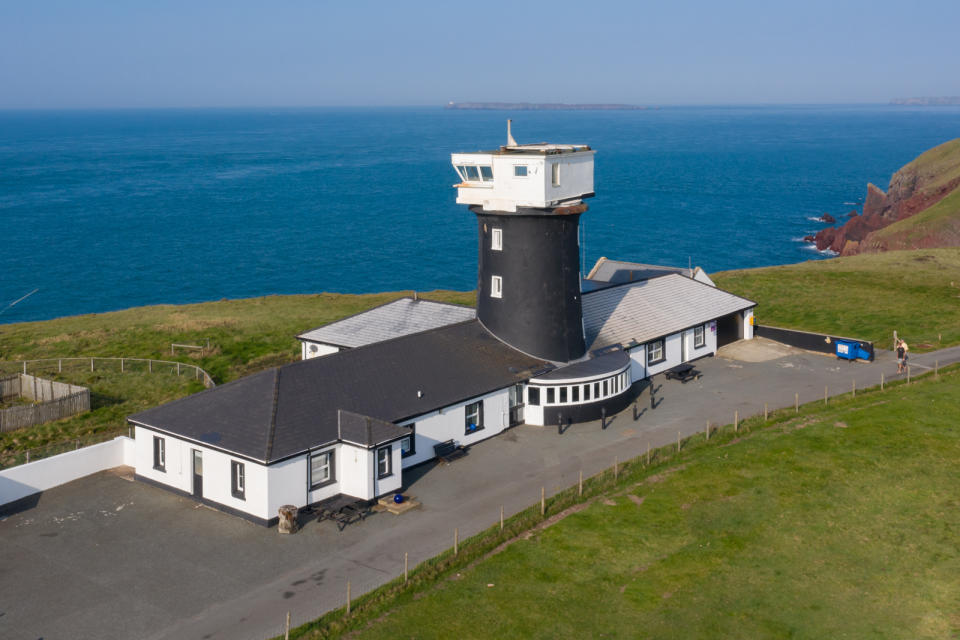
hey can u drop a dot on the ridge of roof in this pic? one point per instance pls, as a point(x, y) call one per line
point(273, 413)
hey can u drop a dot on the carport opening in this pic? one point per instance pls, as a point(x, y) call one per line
point(729, 329)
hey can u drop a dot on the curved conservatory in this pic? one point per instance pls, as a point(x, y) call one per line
point(580, 392)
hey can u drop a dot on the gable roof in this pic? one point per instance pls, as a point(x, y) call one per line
point(366, 431)
point(281, 412)
point(391, 320)
point(650, 309)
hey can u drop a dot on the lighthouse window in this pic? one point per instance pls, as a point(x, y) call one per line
point(520, 171)
point(486, 173)
point(471, 172)
point(555, 174)
point(563, 395)
point(575, 394)
point(496, 239)
point(586, 392)
point(551, 395)
point(496, 287)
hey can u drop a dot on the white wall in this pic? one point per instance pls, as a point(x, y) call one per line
point(33, 477)
point(178, 473)
point(357, 468)
point(748, 324)
point(448, 424)
point(392, 482)
point(672, 351)
point(286, 484)
point(638, 362)
point(322, 349)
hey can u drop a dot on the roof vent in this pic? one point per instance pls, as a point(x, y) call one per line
point(510, 141)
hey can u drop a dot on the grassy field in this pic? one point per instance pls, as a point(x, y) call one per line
point(916, 293)
point(839, 522)
point(245, 336)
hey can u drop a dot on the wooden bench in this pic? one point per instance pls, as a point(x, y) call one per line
point(682, 372)
point(448, 451)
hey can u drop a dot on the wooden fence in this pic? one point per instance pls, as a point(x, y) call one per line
point(51, 400)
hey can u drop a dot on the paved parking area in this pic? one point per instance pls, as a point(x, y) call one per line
point(106, 557)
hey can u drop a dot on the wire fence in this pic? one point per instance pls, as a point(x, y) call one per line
point(95, 363)
point(13, 458)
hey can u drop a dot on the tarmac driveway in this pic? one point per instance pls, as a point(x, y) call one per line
point(105, 557)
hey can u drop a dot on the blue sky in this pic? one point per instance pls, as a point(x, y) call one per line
point(130, 53)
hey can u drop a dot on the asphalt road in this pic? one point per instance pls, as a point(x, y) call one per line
point(105, 557)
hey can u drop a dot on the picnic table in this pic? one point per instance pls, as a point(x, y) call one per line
point(682, 372)
point(343, 510)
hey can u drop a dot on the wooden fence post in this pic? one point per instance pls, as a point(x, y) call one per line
point(881, 381)
point(24, 367)
point(59, 366)
point(286, 629)
point(936, 369)
point(501, 517)
point(707, 430)
point(543, 501)
point(908, 374)
point(616, 468)
point(796, 402)
point(91, 364)
point(648, 453)
point(121, 365)
point(150, 366)
point(456, 541)
point(736, 421)
point(678, 442)
point(579, 486)
point(348, 597)
point(766, 412)
point(825, 394)
point(405, 564)
point(854, 392)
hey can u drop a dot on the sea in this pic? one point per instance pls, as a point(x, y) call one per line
point(105, 210)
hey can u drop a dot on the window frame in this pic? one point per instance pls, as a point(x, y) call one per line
point(489, 168)
point(238, 480)
point(663, 351)
point(331, 456)
point(555, 174)
point(387, 459)
point(517, 169)
point(160, 453)
point(702, 341)
point(496, 286)
point(496, 239)
point(413, 441)
point(467, 412)
point(533, 396)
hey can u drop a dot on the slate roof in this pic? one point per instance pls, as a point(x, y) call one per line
point(391, 320)
point(607, 271)
point(596, 366)
point(366, 431)
point(650, 309)
point(281, 412)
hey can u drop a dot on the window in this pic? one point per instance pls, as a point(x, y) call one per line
point(555, 174)
point(533, 396)
point(551, 395)
point(237, 479)
point(385, 461)
point(408, 445)
point(496, 239)
point(655, 352)
point(575, 394)
point(698, 336)
point(486, 173)
point(471, 173)
point(606, 388)
point(322, 471)
point(596, 390)
point(159, 454)
point(474, 417)
point(520, 171)
point(496, 287)
point(563, 395)
point(586, 392)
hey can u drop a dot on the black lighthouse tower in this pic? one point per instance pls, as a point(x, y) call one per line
point(528, 200)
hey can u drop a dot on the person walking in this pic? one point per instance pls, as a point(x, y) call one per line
point(902, 350)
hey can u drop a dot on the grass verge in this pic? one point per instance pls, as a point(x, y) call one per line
point(837, 521)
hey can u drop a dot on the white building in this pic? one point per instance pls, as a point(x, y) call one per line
point(543, 347)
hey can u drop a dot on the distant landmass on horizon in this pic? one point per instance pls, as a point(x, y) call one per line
point(545, 106)
point(941, 101)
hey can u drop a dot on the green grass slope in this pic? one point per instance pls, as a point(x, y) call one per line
point(245, 336)
point(935, 226)
point(839, 522)
point(916, 293)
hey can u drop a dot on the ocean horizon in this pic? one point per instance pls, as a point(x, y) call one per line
point(106, 209)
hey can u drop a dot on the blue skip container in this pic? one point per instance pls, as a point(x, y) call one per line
point(851, 350)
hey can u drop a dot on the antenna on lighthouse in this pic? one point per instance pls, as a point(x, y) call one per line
point(510, 141)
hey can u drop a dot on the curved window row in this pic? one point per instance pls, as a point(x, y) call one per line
point(538, 395)
point(473, 173)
